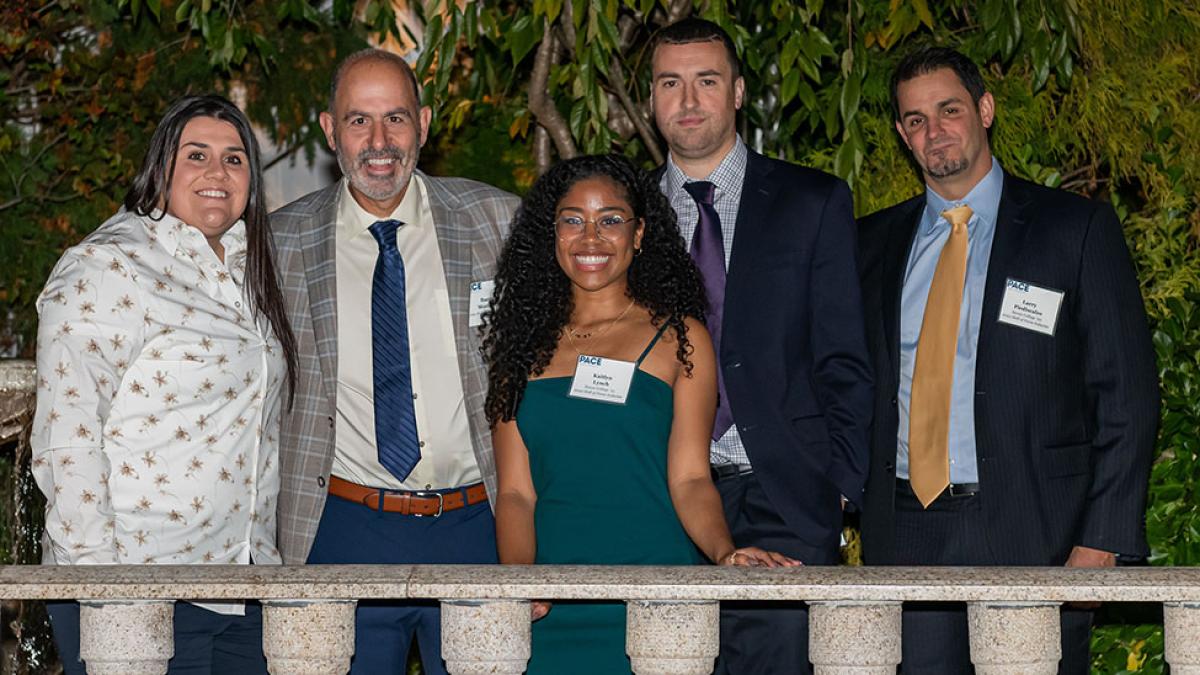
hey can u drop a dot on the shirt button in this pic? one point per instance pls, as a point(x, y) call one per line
point(238, 305)
point(320, 481)
point(414, 396)
point(420, 444)
point(331, 421)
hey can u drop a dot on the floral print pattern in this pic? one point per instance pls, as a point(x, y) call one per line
point(156, 433)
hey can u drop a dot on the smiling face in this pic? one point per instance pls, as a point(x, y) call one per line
point(211, 181)
point(695, 98)
point(946, 131)
point(595, 254)
point(376, 129)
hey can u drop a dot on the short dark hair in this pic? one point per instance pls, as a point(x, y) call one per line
point(371, 54)
point(929, 59)
point(151, 196)
point(691, 30)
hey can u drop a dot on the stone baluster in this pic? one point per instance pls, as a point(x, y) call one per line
point(1015, 638)
point(854, 638)
point(126, 638)
point(1181, 633)
point(485, 636)
point(672, 638)
point(302, 637)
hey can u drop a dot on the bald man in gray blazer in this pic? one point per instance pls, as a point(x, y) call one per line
point(345, 498)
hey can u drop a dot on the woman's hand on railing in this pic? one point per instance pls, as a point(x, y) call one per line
point(539, 609)
point(753, 556)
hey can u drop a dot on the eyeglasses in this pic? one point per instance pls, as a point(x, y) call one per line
point(607, 227)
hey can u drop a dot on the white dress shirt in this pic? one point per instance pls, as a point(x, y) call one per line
point(447, 455)
point(156, 433)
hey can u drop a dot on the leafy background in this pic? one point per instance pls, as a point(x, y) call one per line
point(1095, 96)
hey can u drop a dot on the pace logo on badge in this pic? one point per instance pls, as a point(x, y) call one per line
point(602, 379)
point(1031, 307)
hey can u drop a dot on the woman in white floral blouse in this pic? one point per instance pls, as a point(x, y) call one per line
point(162, 353)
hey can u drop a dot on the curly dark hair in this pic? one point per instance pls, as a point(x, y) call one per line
point(532, 302)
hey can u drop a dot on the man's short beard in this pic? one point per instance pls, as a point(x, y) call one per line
point(948, 168)
point(372, 189)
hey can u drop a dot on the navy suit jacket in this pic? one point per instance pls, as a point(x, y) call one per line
point(793, 352)
point(1065, 425)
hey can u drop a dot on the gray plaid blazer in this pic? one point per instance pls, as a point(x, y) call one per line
point(472, 220)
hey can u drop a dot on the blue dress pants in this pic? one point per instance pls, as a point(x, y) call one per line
point(351, 533)
point(206, 643)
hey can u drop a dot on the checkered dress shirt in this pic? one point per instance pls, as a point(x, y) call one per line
point(728, 178)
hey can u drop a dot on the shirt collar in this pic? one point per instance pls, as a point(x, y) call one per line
point(354, 220)
point(173, 234)
point(984, 199)
point(725, 177)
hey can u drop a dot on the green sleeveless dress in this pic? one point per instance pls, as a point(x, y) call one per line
point(600, 471)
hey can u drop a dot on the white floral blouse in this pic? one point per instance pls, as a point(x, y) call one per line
point(158, 404)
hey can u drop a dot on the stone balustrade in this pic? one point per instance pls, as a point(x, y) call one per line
point(308, 611)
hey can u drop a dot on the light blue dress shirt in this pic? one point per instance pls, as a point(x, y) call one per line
point(931, 235)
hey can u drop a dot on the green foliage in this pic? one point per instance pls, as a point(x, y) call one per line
point(82, 84)
point(1094, 96)
point(1128, 650)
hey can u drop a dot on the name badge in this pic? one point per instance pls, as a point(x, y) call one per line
point(601, 379)
point(1030, 307)
point(481, 295)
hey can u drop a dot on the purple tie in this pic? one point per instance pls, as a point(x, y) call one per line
point(708, 250)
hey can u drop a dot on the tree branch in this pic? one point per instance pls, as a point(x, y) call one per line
point(541, 149)
point(567, 24)
point(541, 105)
point(19, 181)
point(616, 77)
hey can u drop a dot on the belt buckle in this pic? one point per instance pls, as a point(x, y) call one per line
point(960, 492)
point(441, 503)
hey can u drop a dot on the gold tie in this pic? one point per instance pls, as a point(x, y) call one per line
point(933, 374)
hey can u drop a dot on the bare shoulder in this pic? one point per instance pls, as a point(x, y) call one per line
point(699, 340)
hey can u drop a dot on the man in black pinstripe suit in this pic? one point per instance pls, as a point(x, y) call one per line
point(1049, 420)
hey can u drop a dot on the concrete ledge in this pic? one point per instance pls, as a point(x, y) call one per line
point(352, 582)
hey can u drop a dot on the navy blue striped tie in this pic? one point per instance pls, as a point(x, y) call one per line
point(395, 419)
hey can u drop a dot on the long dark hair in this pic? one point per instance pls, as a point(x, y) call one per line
point(532, 301)
point(151, 192)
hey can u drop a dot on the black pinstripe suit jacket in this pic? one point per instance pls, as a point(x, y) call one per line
point(1065, 424)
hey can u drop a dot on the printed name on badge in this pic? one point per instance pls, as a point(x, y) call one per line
point(1030, 307)
point(481, 295)
point(602, 379)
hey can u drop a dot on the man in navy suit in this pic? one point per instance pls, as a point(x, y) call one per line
point(1022, 434)
point(790, 442)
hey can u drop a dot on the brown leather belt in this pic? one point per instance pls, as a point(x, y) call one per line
point(419, 503)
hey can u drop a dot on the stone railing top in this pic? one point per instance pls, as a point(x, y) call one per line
point(344, 582)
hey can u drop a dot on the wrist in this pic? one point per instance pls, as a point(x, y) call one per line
point(725, 557)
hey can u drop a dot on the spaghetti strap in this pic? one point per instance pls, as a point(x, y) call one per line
point(653, 341)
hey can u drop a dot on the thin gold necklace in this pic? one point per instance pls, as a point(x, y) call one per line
point(571, 335)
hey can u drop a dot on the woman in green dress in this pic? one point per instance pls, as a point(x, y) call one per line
point(602, 395)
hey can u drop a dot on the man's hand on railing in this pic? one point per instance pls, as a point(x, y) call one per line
point(539, 609)
point(1082, 556)
point(753, 556)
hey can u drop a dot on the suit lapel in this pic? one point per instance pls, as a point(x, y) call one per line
point(454, 245)
point(1011, 228)
point(899, 243)
point(319, 259)
point(758, 192)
